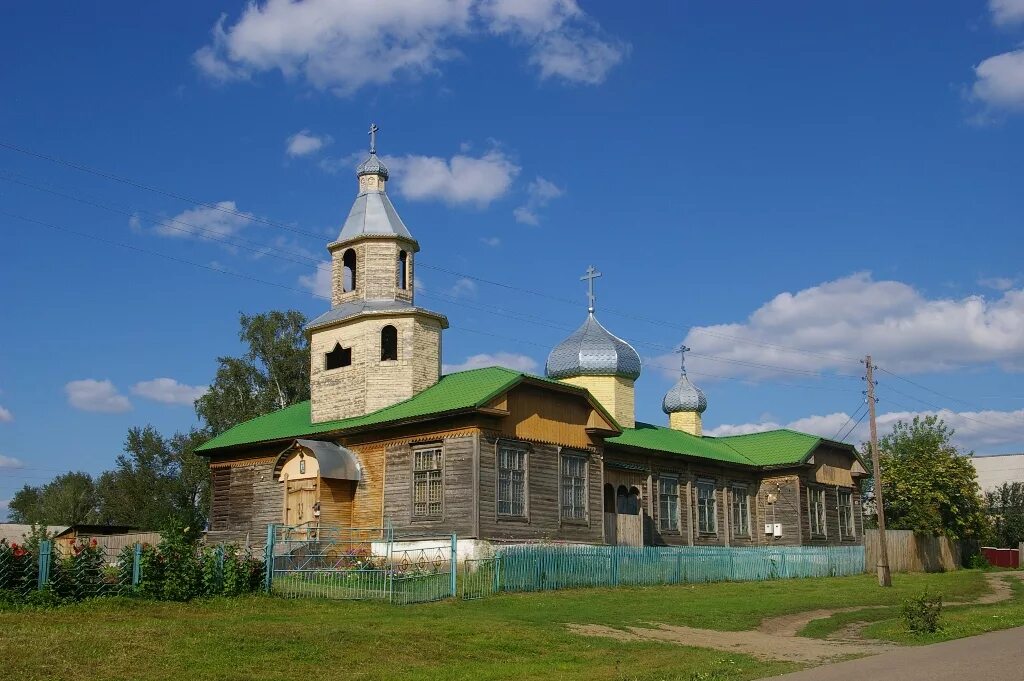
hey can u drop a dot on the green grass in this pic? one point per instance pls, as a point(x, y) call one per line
point(510, 636)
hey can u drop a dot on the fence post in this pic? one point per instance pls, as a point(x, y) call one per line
point(268, 558)
point(497, 573)
point(615, 566)
point(45, 556)
point(137, 565)
point(679, 565)
point(455, 565)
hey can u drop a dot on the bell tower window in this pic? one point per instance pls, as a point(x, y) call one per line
point(403, 270)
point(388, 343)
point(348, 262)
point(337, 358)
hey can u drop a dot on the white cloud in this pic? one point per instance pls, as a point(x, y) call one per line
point(92, 395)
point(304, 143)
point(501, 359)
point(169, 391)
point(975, 430)
point(463, 288)
point(998, 283)
point(10, 462)
point(462, 179)
point(206, 222)
point(343, 45)
point(844, 319)
point(1006, 12)
point(5, 415)
point(319, 282)
point(539, 194)
point(491, 241)
point(1000, 81)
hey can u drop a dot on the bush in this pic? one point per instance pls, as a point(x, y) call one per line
point(922, 613)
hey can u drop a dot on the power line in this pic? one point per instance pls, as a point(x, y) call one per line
point(855, 412)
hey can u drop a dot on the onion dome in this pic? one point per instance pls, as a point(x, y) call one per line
point(592, 350)
point(372, 166)
point(684, 395)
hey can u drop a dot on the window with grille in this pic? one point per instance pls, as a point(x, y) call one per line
point(740, 511)
point(707, 507)
point(816, 510)
point(846, 527)
point(511, 482)
point(428, 482)
point(668, 504)
point(574, 487)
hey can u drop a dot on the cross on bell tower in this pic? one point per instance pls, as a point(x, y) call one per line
point(373, 137)
point(589, 277)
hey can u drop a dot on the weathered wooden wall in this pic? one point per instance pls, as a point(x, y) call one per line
point(458, 505)
point(912, 553)
point(245, 498)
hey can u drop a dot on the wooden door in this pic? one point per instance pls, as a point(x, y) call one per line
point(301, 497)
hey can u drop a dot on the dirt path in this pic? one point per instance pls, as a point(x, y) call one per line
point(776, 637)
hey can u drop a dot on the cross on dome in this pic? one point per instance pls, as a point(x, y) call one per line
point(589, 277)
point(373, 137)
point(682, 350)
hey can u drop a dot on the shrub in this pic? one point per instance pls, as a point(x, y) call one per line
point(921, 613)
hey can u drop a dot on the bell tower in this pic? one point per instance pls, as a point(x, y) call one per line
point(374, 347)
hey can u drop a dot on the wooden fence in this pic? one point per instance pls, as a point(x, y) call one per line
point(912, 553)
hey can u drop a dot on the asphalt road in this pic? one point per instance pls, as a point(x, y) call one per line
point(999, 655)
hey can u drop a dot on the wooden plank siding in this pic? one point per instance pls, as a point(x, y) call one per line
point(336, 501)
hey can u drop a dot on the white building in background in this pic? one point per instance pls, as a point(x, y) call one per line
point(995, 469)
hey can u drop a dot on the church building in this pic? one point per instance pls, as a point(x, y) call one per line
point(498, 455)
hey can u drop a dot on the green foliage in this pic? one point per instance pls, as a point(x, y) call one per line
point(68, 499)
point(1005, 506)
point(922, 613)
point(272, 374)
point(928, 485)
point(976, 560)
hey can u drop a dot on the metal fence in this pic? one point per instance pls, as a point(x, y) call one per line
point(537, 567)
point(360, 563)
point(85, 571)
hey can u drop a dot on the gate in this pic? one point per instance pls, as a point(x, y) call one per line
point(319, 561)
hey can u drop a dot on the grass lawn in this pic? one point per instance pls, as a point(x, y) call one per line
point(510, 636)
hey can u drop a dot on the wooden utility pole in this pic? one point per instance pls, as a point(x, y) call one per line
point(884, 576)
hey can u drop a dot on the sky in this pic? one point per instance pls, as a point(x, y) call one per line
point(785, 187)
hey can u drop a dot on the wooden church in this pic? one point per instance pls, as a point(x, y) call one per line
point(498, 455)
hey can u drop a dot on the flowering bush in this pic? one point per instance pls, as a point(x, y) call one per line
point(18, 567)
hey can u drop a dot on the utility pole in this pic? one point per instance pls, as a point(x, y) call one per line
point(884, 576)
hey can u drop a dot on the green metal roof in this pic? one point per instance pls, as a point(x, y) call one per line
point(454, 392)
point(660, 439)
point(773, 447)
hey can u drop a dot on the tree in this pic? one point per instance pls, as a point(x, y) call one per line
point(928, 485)
point(68, 499)
point(1005, 506)
point(271, 375)
point(24, 507)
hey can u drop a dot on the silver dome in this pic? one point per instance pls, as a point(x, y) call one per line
point(592, 350)
point(684, 396)
point(372, 166)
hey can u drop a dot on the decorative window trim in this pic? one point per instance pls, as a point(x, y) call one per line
point(563, 457)
point(705, 483)
point(432, 477)
point(740, 493)
point(525, 449)
point(666, 507)
point(817, 526)
point(847, 526)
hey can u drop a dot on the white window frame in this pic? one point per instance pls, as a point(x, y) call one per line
point(740, 502)
point(847, 522)
point(572, 489)
point(668, 504)
point(513, 476)
point(428, 477)
point(707, 507)
point(817, 523)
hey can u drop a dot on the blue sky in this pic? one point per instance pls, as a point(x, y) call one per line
point(786, 186)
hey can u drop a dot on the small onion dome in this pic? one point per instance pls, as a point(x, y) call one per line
point(592, 350)
point(372, 166)
point(684, 396)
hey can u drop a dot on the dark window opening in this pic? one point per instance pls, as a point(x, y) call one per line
point(338, 357)
point(388, 343)
point(627, 502)
point(609, 498)
point(348, 261)
point(403, 270)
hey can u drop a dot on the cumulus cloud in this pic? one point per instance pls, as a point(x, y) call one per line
point(92, 395)
point(460, 180)
point(304, 143)
point(1006, 12)
point(975, 430)
point(999, 81)
point(463, 288)
point(219, 221)
point(998, 283)
point(5, 415)
point(509, 360)
point(169, 391)
point(319, 282)
point(10, 462)
point(838, 321)
point(343, 45)
point(539, 194)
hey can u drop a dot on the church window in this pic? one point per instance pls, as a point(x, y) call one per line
point(388, 343)
point(816, 510)
point(338, 357)
point(428, 482)
point(707, 507)
point(846, 526)
point(668, 504)
point(574, 487)
point(740, 511)
point(348, 262)
point(511, 482)
point(403, 270)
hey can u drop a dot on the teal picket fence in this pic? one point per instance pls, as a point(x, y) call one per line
point(543, 567)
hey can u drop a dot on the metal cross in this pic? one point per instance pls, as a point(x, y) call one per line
point(682, 350)
point(373, 138)
point(589, 277)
